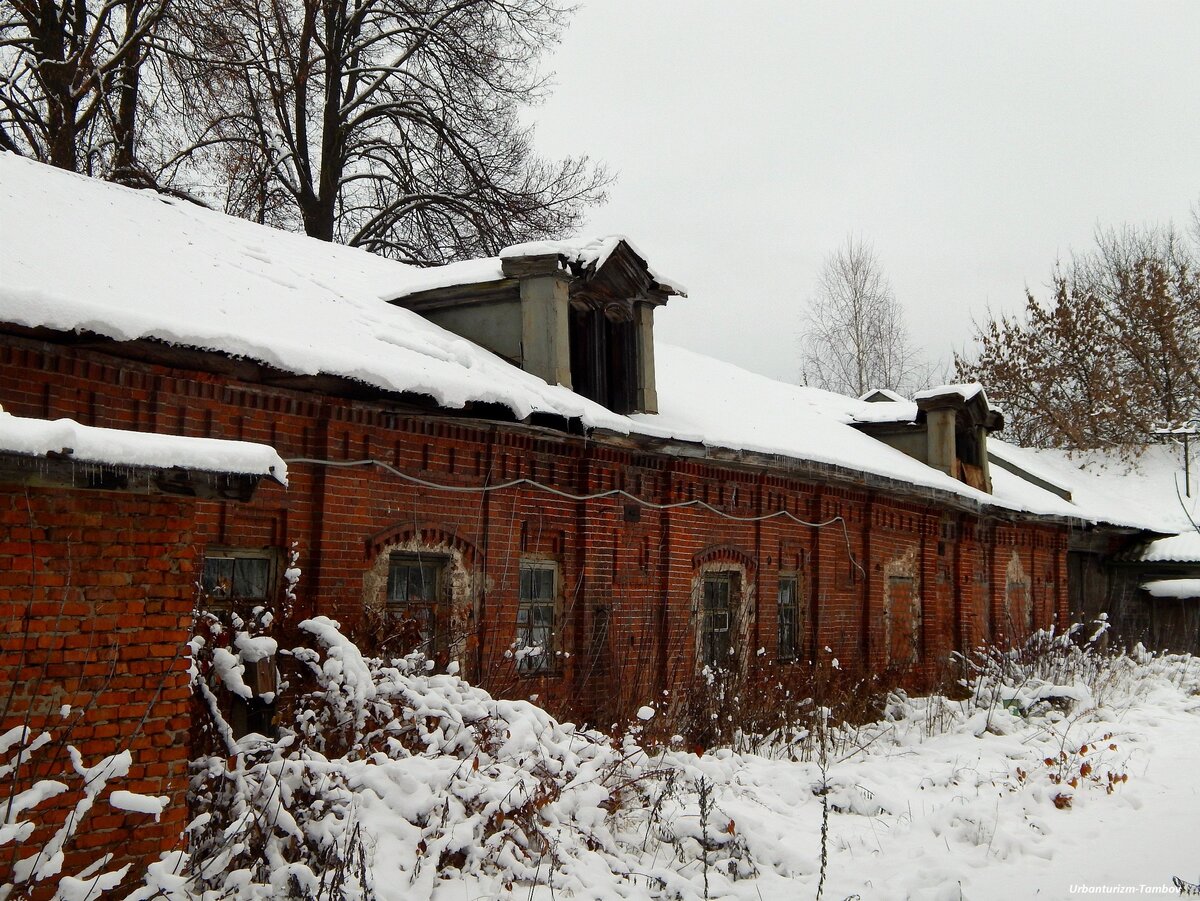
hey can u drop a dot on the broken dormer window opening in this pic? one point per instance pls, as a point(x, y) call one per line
point(604, 356)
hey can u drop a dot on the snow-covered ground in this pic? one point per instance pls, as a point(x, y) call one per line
point(1061, 775)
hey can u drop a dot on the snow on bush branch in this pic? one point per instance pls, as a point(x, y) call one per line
point(43, 861)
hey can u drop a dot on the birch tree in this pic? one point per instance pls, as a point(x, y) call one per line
point(853, 334)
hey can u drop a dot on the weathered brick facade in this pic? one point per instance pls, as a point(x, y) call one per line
point(899, 576)
point(96, 594)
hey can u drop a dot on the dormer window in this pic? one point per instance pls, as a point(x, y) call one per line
point(604, 355)
point(577, 315)
point(944, 427)
point(957, 421)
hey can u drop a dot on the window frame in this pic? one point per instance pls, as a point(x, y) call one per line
point(527, 628)
point(709, 649)
point(227, 599)
point(437, 607)
point(793, 652)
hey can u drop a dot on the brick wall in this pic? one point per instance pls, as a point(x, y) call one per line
point(96, 593)
point(628, 575)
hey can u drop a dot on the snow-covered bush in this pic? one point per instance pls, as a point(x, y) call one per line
point(387, 771)
point(23, 800)
point(389, 780)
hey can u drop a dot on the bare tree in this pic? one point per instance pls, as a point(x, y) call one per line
point(1112, 354)
point(388, 124)
point(854, 337)
point(69, 74)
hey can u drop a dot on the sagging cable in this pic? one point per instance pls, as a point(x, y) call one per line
point(567, 495)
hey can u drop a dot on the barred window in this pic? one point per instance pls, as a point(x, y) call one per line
point(535, 617)
point(788, 619)
point(719, 591)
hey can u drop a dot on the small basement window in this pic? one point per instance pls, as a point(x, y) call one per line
point(720, 589)
point(417, 593)
point(235, 574)
point(535, 617)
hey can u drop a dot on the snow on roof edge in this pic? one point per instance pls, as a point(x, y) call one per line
point(965, 390)
point(1181, 548)
point(122, 447)
point(1178, 589)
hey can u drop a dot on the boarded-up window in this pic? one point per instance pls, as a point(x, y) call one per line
point(902, 620)
point(1017, 606)
point(1020, 611)
point(716, 628)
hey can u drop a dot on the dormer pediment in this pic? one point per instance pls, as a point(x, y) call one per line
point(607, 271)
point(969, 403)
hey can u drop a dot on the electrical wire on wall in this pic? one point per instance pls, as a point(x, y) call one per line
point(567, 495)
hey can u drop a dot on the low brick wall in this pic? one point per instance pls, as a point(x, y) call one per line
point(96, 593)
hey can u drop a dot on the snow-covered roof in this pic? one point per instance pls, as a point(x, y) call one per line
point(1182, 548)
point(887, 411)
point(1173, 588)
point(715, 403)
point(882, 395)
point(79, 254)
point(119, 447)
point(1142, 492)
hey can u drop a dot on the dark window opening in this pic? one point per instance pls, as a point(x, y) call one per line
point(716, 644)
point(416, 593)
point(535, 617)
point(604, 359)
point(966, 445)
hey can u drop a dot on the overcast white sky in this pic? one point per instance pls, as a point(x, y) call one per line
point(971, 143)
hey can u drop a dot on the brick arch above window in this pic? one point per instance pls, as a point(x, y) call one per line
point(425, 533)
point(725, 553)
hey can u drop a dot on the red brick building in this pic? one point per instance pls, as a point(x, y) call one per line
point(495, 460)
point(97, 589)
